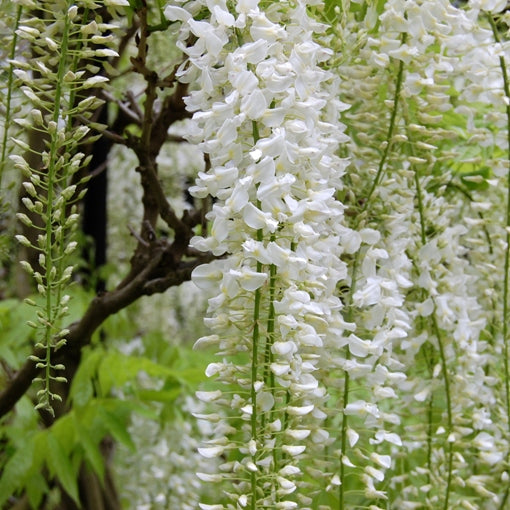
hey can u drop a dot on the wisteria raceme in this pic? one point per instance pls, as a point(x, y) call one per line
point(263, 116)
point(448, 319)
point(352, 311)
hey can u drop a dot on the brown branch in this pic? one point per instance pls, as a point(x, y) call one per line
point(133, 115)
point(159, 285)
point(157, 276)
point(134, 105)
point(165, 209)
point(173, 110)
point(114, 137)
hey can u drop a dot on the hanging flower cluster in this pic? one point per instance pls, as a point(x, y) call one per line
point(357, 299)
point(54, 88)
point(266, 115)
point(443, 353)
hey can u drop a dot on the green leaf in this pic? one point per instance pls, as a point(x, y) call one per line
point(117, 369)
point(117, 427)
point(63, 430)
point(135, 4)
point(380, 6)
point(475, 179)
point(90, 447)
point(6, 306)
point(7, 354)
point(15, 471)
point(24, 422)
point(36, 487)
point(60, 465)
point(82, 388)
point(329, 9)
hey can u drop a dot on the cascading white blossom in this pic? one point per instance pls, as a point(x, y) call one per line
point(346, 298)
point(444, 334)
point(266, 115)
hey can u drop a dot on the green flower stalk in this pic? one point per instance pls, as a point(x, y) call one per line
point(506, 264)
point(52, 86)
point(8, 102)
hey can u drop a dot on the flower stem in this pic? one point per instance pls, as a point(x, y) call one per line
point(8, 99)
point(449, 414)
point(270, 379)
point(255, 354)
point(345, 400)
point(380, 169)
point(391, 129)
point(254, 368)
point(53, 242)
point(442, 354)
point(506, 349)
point(341, 487)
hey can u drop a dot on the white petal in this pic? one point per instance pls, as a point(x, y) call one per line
point(174, 13)
point(207, 276)
point(289, 470)
point(279, 369)
point(251, 280)
point(252, 447)
point(300, 411)
point(265, 401)
point(346, 461)
point(286, 505)
point(223, 17)
point(293, 449)
point(352, 436)
point(210, 452)
point(93, 81)
point(257, 219)
point(335, 481)
point(208, 396)
point(422, 395)
point(207, 477)
point(298, 434)
point(375, 473)
point(254, 106)
point(213, 369)
point(248, 409)
point(383, 460)
point(206, 341)
point(284, 348)
point(286, 485)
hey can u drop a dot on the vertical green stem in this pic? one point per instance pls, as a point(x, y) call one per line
point(442, 354)
point(430, 415)
point(391, 129)
point(380, 169)
point(449, 414)
point(8, 102)
point(341, 487)
point(506, 348)
point(51, 270)
point(255, 354)
point(347, 380)
point(254, 369)
point(269, 377)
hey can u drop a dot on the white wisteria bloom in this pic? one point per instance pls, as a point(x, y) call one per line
point(339, 278)
point(266, 115)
